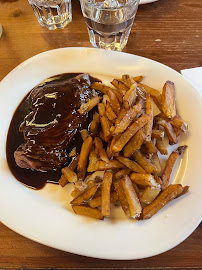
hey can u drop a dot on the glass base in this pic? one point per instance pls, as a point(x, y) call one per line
point(115, 42)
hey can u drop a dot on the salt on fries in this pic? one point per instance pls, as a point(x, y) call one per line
point(121, 148)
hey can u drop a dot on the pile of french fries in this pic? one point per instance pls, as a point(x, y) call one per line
point(124, 142)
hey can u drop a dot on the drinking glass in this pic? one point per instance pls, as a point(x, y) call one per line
point(53, 14)
point(109, 22)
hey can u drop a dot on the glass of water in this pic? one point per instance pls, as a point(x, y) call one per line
point(109, 22)
point(53, 14)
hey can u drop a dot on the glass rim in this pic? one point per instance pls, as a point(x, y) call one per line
point(128, 3)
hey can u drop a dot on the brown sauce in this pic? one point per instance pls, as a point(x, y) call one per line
point(32, 178)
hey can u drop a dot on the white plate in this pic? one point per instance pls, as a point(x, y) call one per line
point(147, 1)
point(46, 217)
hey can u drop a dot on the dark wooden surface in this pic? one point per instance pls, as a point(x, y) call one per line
point(168, 31)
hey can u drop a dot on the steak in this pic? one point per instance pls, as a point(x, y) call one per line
point(53, 122)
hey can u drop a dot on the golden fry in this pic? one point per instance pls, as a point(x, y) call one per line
point(106, 188)
point(86, 107)
point(83, 159)
point(63, 180)
point(106, 125)
point(110, 113)
point(73, 152)
point(156, 162)
point(144, 179)
point(131, 164)
point(84, 134)
point(169, 131)
point(125, 121)
point(178, 123)
point(134, 144)
point(85, 196)
point(99, 86)
point(130, 96)
point(69, 174)
point(150, 147)
point(149, 194)
point(161, 146)
point(74, 163)
point(120, 174)
point(96, 202)
point(151, 91)
point(168, 99)
point(122, 197)
point(149, 125)
point(112, 164)
point(131, 197)
point(127, 80)
point(120, 86)
point(138, 78)
point(144, 162)
point(101, 109)
point(114, 102)
point(94, 124)
point(157, 134)
point(100, 150)
point(87, 211)
point(170, 164)
point(93, 159)
point(130, 132)
point(170, 193)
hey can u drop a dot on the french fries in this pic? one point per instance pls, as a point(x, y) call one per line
point(170, 193)
point(114, 102)
point(106, 125)
point(93, 159)
point(144, 179)
point(125, 121)
point(106, 188)
point(134, 144)
point(149, 194)
point(149, 125)
point(96, 202)
point(86, 107)
point(145, 163)
point(169, 131)
point(130, 96)
point(170, 164)
point(168, 99)
point(134, 205)
point(131, 164)
point(122, 198)
point(130, 132)
point(120, 151)
point(87, 211)
point(111, 165)
point(120, 174)
point(83, 159)
point(128, 80)
point(94, 125)
point(69, 174)
point(84, 197)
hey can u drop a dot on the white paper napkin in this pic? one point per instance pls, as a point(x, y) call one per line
point(194, 75)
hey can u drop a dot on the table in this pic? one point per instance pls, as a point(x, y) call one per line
point(168, 31)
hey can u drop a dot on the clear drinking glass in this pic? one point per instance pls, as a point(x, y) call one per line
point(53, 14)
point(109, 22)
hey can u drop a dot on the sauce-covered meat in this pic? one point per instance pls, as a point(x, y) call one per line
point(48, 123)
